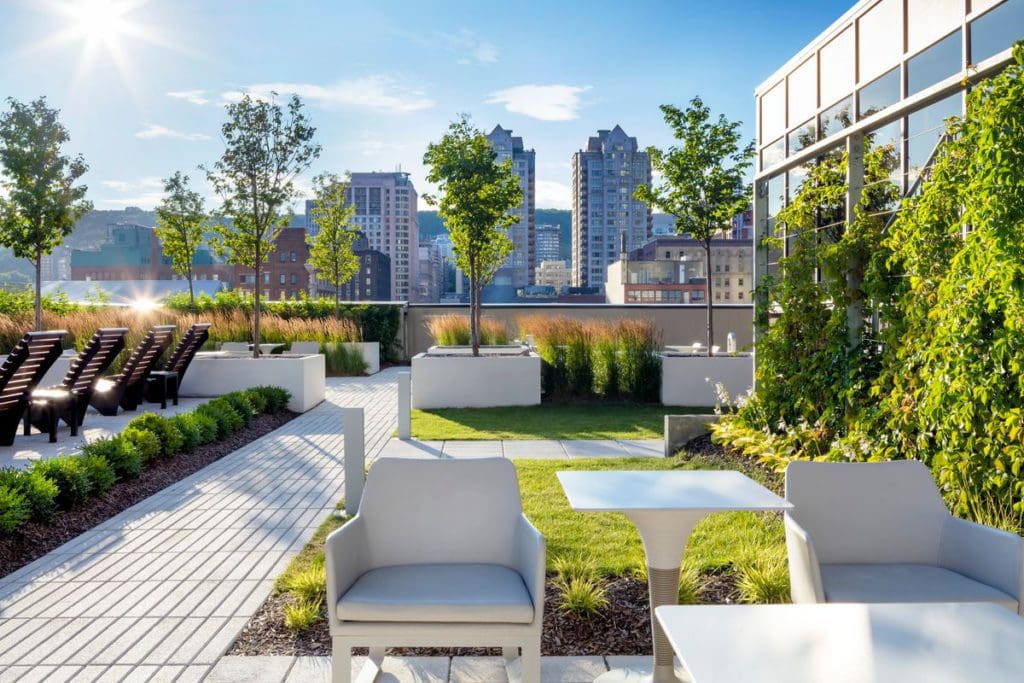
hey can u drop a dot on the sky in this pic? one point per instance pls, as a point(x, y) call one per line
point(141, 85)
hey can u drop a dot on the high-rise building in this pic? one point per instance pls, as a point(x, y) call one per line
point(517, 270)
point(553, 274)
point(371, 283)
point(604, 176)
point(386, 205)
point(549, 243)
point(430, 275)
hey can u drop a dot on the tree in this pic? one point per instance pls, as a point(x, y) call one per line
point(330, 250)
point(42, 203)
point(477, 196)
point(704, 186)
point(179, 227)
point(266, 147)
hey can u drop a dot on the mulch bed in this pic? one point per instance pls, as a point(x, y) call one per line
point(35, 539)
point(621, 628)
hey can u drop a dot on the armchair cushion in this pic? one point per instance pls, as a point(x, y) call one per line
point(452, 593)
point(906, 583)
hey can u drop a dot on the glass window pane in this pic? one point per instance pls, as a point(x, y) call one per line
point(994, 32)
point(803, 92)
point(881, 39)
point(889, 136)
point(773, 112)
point(982, 5)
point(925, 127)
point(879, 94)
point(773, 153)
point(929, 20)
point(837, 117)
point(934, 64)
point(837, 72)
point(804, 136)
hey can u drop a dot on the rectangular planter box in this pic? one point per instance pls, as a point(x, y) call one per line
point(214, 374)
point(690, 380)
point(458, 380)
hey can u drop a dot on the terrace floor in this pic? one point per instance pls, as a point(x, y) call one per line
point(547, 449)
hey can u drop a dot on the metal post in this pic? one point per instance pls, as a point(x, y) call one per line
point(405, 405)
point(355, 458)
point(761, 230)
point(854, 191)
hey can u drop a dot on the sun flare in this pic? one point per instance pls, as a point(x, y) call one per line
point(98, 20)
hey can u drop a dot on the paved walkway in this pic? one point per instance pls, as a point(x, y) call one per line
point(537, 449)
point(159, 592)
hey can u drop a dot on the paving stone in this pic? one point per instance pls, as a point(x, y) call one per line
point(250, 670)
point(314, 670)
point(478, 670)
point(540, 449)
point(643, 448)
point(594, 449)
point(571, 669)
point(414, 670)
point(396, 448)
point(473, 449)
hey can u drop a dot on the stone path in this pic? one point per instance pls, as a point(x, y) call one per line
point(160, 591)
point(540, 449)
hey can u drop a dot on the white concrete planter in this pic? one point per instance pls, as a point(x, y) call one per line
point(447, 378)
point(371, 355)
point(690, 380)
point(215, 373)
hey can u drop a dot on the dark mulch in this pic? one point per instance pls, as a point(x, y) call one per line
point(35, 539)
point(621, 628)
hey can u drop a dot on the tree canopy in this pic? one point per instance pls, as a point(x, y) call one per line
point(330, 250)
point(180, 218)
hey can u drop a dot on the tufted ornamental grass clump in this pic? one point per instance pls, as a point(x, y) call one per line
point(581, 589)
point(453, 330)
point(764, 580)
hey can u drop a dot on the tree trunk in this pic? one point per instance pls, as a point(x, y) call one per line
point(39, 286)
point(474, 307)
point(711, 322)
point(256, 307)
point(337, 301)
point(191, 294)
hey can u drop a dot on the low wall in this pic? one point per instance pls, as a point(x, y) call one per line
point(679, 324)
point(690, 380)
point(464, 381)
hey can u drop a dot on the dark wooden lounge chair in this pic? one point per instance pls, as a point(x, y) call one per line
point(126, 389)
point(69, 399)
point(164, 383)
point(20, 373)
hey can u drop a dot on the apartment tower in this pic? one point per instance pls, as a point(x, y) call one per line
point(517, 270)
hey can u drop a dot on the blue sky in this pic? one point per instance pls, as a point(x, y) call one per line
point(142, 92)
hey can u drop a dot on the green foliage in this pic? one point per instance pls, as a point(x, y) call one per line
point(19, 301)
point(308, 584)
point(186, 425)
point(39, 199)
point(120, 452)
point(99, 472)
point(265, 151)
point(705, 182)
point(302, 614)
point(241, 404)
point(14, 509)
point(344, 360)
point(257, 400)
point(477, 196)
point(145, 442)
point(208, 428)
point(180, 218)
point(330, 250)
point(575, 566)
point(276, 398)
point(228, 419)
point(765, 580)
point(454, 330)
point(166, 433)
point(39, 492)
point(582, 597)
point(69, 475)
point(691, 586)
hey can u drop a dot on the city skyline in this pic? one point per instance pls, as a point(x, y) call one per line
point(141, 83)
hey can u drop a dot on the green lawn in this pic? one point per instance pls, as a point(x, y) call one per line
point(599, 421)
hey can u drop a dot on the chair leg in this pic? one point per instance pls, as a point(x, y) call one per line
point(529, 662)
point(174, 384)
point(28, 419)
point(163, 395)
point(75, 421)
point(52, 418)
point(341, 661)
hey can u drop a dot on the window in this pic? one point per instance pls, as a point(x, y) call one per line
point(293, 257)
point(802, 94)
point(837, 73)
point(773, 112)
point(881, 39)
point(727, 296)
point(727, 267)
point(925, 127)
point(281, 257)
point(282, 278)
point(879, 94)
point(994, 32)
point(804, 136)
point(668, 254)
point(837, 117)
point(773, 153)
point(295, 279)
point(934, 64)
point(266, 278)
point(740, 283)
point(740, 295)
point(718, 267)
point(929, 20)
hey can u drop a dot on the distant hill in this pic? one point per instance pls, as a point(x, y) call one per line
point(431, 226)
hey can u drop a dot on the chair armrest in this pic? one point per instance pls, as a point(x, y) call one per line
point(346, 554)
point(529, 556)
point(804, 572)
point(986, 554)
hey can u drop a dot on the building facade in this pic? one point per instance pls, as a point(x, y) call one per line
point(371, 283)
point(430, 274)
point(284, 275)
point(554, 274)
point(517, 270)
point(605, 175)
point(888, 72)
point(549, 243)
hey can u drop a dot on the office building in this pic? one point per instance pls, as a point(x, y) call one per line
point(604, 176)
point(371, 283)
point(553, 274)
point(284, 274)
point(517, 270)
point(549, 243)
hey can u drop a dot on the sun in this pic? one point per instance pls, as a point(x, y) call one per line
point(98, 20)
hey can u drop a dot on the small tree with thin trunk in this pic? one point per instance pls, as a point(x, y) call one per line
point(42, 202)
point(179, 227)
point(266, 147)
point(704, 186)
point(330, 250)
point(476, 198)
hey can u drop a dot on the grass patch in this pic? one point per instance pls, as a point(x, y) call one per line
point(311, 560)
point(549, 421)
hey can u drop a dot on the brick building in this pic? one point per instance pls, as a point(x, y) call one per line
point(284, 273)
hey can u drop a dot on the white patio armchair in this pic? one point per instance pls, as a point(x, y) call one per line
point(439, 555)
point(880, 532)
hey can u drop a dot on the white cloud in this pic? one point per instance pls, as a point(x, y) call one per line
point(153, 131)
point(475, 50)
point(145, 192)
point(553, 195)
point(191, 96)
point(545, 102)
point(369, 92)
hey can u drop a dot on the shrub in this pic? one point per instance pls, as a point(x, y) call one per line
point(69, 475)
point(146, 443)
point(228, 420)
point(302, 614)
point(344, 360)
point(207, 427)
point(170, 438)
point(257, 400)
point(99, 471)
point(241, 404)
point(276, 398)
point(14, 509)
point(309, 584)
point(39, 492)
point(120, 454)
point(764, 580)
point(583, 597)
point(186, 425)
